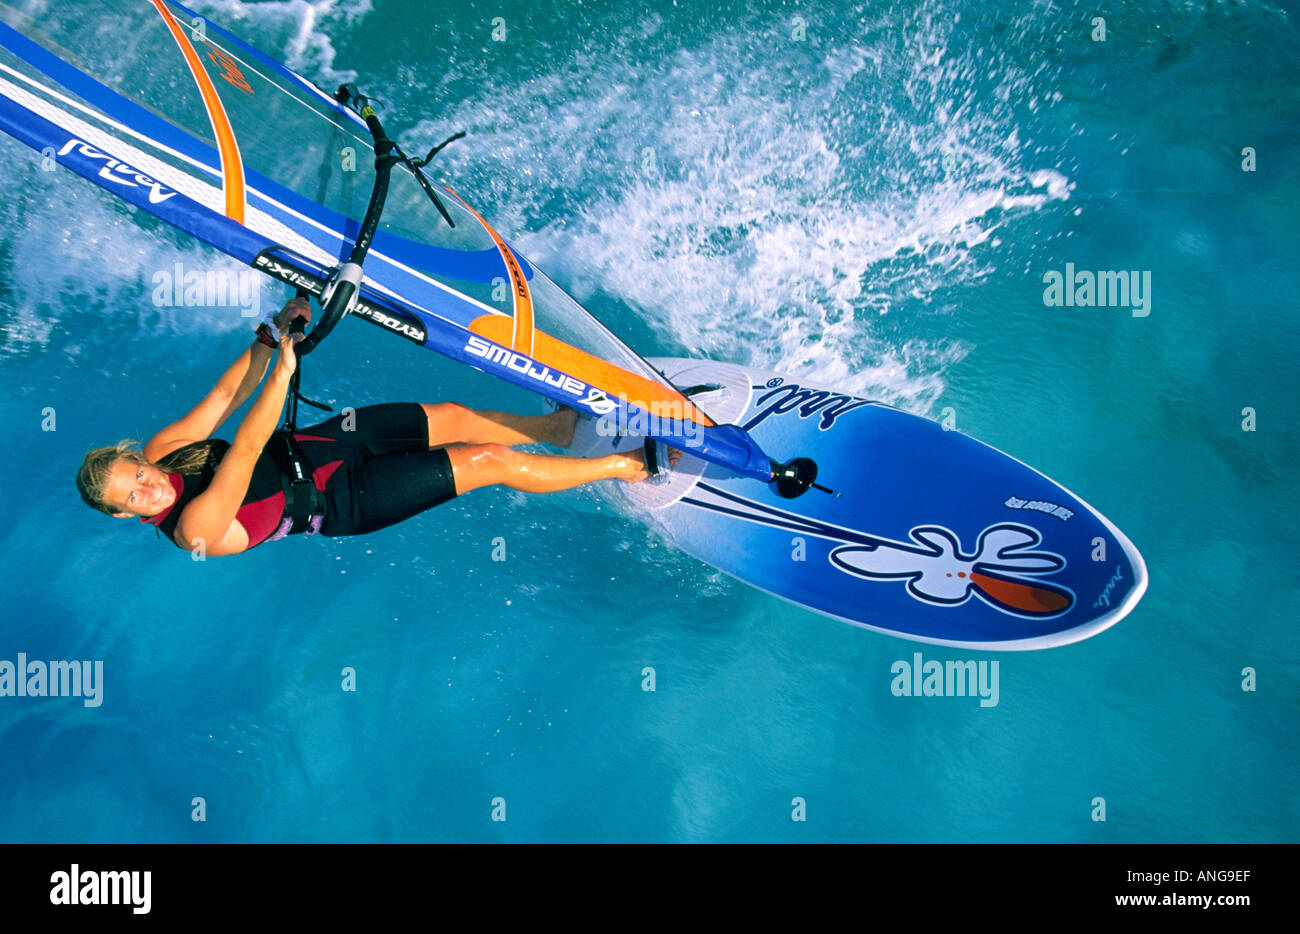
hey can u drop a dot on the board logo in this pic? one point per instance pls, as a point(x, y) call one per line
point(783, 397)
point(230, 69)
point(591, 398)
point(1040, 505)
point(1103, 598)
point(1000, 571)
point(118, 172)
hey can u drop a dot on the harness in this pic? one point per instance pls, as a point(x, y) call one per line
point(302, 501)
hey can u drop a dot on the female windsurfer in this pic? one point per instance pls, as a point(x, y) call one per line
point(356, 472)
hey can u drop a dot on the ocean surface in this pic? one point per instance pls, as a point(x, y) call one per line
point(864, 195)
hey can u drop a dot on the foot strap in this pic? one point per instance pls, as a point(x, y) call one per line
point(658, 475)
point(652, 456)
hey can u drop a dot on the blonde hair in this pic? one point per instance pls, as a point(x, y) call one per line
point(97, 466)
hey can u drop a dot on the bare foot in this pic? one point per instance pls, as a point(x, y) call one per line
point(637, 471)
point(564, 422)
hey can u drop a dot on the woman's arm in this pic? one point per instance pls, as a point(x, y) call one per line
point(210, 518)
point(231, 391)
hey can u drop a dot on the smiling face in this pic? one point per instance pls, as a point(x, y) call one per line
point(136, 489)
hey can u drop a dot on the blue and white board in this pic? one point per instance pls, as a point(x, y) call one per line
point(929, 534)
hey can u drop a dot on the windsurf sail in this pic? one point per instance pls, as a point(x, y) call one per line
point(180, 118)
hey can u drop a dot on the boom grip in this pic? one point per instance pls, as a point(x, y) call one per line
point(337, 306)
point(341, 293)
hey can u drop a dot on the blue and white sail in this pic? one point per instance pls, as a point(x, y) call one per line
point(182, 128)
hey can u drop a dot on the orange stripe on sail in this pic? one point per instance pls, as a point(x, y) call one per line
point(232, 166)
point(521, 336)
point(654, 398)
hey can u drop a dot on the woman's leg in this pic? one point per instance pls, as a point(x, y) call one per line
point(453, 423)
point(481, 465)
point(377, 491)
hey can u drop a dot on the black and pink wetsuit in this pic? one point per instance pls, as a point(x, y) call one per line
point(372, 468)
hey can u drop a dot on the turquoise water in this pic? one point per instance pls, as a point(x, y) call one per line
point(865, 196)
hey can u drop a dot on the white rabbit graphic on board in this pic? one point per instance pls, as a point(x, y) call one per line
point(1000, 571)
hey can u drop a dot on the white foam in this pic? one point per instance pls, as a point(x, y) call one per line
point(753, 202)
point(74, 253)
point(299, 29)
point(762, 225)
